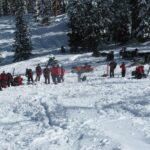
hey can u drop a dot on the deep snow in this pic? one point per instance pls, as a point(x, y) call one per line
point(98, 114)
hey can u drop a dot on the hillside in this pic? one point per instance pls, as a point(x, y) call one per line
point(98, 114)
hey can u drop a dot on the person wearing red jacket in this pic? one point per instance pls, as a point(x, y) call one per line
point(18, 80)
point(142, 70)
point(62, 74)
point(3, 80)
point(46, 73)
point(9, 79)
point(54, 74)
point(123, 69)
point(58, 74)
point(38, 72)
point(0, 83)
point(139, 72)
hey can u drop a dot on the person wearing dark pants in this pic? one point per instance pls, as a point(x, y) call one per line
point(0, 83)
point(54, 74)
point(112, 65)
point(38, 72)
point(123, 69)
point(29, 74)
point(46, 73)
point(62, 74)
point(58, 74)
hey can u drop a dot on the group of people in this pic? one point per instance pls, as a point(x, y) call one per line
point(112, 66)
point(138, 73)
point(7, 80)
point(56, 72)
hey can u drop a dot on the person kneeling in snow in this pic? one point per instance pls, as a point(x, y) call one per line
point(139, 72)
point(17, 81)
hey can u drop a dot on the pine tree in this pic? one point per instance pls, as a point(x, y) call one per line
point(134, 17)
point(121, 21)
point(74, 23)
point(143, 29)
point(22, 44)
point(5, 7)
point(88, 23)
point(1, 7)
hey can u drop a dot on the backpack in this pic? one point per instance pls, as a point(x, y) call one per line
point(84, 78)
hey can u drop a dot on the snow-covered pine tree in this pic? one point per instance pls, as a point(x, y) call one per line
point(58, 6)
point(121, 21)
point(1, 7)
point(74, 22)
point(22, 43)
point(88, 22)
point(5, 6)
point(143, 29)
point(42, 11)
point(135, 20)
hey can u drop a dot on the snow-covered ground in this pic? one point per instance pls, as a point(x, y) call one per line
point(98, 114)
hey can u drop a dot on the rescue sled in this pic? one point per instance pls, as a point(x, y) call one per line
point(82, 69)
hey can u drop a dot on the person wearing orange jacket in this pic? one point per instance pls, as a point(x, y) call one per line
point(46, 73)
point(123, 69)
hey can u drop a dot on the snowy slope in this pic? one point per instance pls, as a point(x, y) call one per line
point(98, 114)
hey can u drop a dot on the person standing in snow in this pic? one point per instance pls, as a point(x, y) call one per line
point(63, 50)
point(78, 70)
point(29, 75)
point(46, 73)
point(112, 66)
point(53, 74)
point(0, 83)
point(38, 72)
point(62, 74)
point(3, 79)
point(58, 73)
point(9, 79)
point(123, 69)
